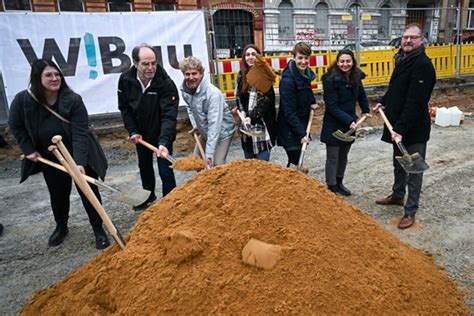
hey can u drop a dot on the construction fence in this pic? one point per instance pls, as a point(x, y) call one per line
point(449, 60)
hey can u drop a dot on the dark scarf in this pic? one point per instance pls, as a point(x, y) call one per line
point(401, 57)
point(189, 90)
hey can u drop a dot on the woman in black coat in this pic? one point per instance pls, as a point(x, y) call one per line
point(342, 85)
point(262, 116)
point(33, 126)
point(296, 98)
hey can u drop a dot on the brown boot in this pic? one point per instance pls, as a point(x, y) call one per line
point(406, 221)
point(390, 200)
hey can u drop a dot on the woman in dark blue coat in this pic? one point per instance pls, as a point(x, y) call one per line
point(296, 98)
point(342, 85)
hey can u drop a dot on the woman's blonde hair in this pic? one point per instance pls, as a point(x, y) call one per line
point(191, 62)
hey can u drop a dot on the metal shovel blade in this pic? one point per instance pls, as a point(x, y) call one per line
point(343, 136)
point(133, 196)
point(252, 133)
point(412, 163)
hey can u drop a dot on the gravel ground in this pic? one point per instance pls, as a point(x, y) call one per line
point(444, 223)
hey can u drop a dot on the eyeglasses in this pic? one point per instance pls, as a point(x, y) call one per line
point(413, 37)
point(52, 75)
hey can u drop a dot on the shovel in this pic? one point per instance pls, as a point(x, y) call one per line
point(198, 143)
point(64, 157)
point(154, 149)
point(413, 163)
point(305, 145)
point(247, 130)
point(133, 197)
point(347, 136)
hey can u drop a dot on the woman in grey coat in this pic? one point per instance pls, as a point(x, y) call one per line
point(33, 125)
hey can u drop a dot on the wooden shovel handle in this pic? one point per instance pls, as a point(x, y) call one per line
point(65, 158)
point(154, 149)
point(402, 148)
point(201, 150)
point(360, 121)
point(386, 121)
point(242, 118)
point(60, 167)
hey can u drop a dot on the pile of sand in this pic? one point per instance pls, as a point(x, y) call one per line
point(184, 256)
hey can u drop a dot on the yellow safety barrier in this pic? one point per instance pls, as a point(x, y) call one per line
point(378, 65)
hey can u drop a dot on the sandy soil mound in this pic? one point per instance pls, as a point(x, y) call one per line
point(184, 256)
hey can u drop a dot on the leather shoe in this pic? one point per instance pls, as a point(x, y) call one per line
point(406, 221)
point(390, 200)
point(101, 240)
point(58, 236)
point(147, 203)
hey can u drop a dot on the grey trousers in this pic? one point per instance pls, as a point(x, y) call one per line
point(336, 162)
point(222, 149)
point(403, 179)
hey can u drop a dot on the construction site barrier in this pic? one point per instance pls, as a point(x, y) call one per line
point(377, 64)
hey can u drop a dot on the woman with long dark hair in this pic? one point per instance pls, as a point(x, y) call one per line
point(260, 115)
point(342, 85)
point(33, 122)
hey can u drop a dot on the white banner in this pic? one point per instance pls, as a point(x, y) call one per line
point(93, 49)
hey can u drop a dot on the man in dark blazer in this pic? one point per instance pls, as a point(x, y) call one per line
point(406, 107)
point(148, 100)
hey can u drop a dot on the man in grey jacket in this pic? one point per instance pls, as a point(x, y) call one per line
point(208, 112)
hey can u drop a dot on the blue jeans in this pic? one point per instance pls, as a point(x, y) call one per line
point(263, 155)
point(147, 173)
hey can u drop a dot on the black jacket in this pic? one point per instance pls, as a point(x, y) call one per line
point(406, 100)
point(340, 99)
point(264, 110)
point(24, 121)
point(153, 113)
point(296, 98)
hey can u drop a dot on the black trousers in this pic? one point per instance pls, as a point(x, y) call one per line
point(293, 156)
point(336, 162)
point(413, 181)
point(147, 173)
point(59, 185)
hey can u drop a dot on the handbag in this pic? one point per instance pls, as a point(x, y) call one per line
point(94, 146)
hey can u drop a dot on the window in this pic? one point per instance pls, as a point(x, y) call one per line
point(233, 30)
point(470, 16)
point(17, 5)
point(119, 6)
point(384, 23)
point(285, 20)
point(164, 6)
point(321, 20)
point(70, 5)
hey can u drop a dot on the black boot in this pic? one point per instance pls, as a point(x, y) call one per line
point(341, 188)
point(101, 240)
point(58, 235)
point(333, 188)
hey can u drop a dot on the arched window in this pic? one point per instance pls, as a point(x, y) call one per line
point(384, 23)
point(285, 20)
point(17, 5)
point(321, 20)
point(70, 5)
point(119, 6)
